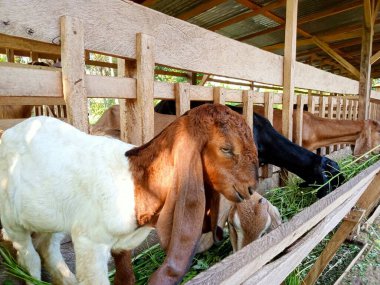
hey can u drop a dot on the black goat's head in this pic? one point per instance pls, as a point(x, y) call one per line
point(331, 176)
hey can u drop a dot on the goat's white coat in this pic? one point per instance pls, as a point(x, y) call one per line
point(54, 178)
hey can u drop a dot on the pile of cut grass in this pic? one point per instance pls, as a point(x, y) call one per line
point(290, 200)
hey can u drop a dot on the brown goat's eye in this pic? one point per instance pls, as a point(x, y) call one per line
point(227, 150)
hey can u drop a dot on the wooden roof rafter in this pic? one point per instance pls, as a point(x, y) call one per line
point(309, 18)
point(320, 43)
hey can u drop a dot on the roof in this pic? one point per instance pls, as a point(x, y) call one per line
point(260, 23)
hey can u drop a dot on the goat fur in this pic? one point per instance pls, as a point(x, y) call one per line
point(54, 178)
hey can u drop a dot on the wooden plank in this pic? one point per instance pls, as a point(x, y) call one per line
point(248, 107)
point(175, 46)
point(220, 95)
point(327, 49)
point(289, 66)
point(199, 9)
point(322, 114)
point(182, 102)
point(17, 100)
point(332, 246)
point(164, 90)
point(73, 72)
point(301, 101)
point(36, 82)
point(201, 93)
point(140, 111)
point(365, 64)
point(236, 268)
point(276, 271)
point(233, 95)
point(110, 87)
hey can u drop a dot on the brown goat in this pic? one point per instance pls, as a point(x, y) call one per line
point(319, 132)
point(168, 183)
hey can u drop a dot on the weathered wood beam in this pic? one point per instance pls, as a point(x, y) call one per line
point(309, 18)
point(238, 267)
point(375, 57)
point(73, 72)
point(199, 9)
point(247, 15)
point(365, 62)
point(327, 49)
point(303, 33)
point(289, 67)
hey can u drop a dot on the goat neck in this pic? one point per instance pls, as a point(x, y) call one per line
point(318, 132)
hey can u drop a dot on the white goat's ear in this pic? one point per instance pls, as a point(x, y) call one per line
point(275, 216)
point(231, 229)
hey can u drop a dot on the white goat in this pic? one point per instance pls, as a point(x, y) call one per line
point(54, 178)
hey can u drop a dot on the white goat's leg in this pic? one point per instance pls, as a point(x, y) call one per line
point(27, 256)
point(91, 261)
point(49, 247)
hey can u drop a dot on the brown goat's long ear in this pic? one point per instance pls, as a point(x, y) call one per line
point(180, 222)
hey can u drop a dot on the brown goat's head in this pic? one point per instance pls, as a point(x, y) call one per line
point(368, 138)
point(229, 155)
point(249, 220)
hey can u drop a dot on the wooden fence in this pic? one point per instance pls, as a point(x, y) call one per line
point(141, 38)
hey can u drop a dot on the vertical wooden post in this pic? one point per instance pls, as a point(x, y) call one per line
point(248, 107)
point(182, 98)
point(267, 170)
point(356, 110)
point(73, 68)
point(301, 101)
point(139, 112)
point(350, 111)
point(289, 67)
point(338, 114)
point(365, 61)
point(322, 113)
point(330, 115)
point(219, 95)
point(10, 55)
point(34, 56)
point(310, 102)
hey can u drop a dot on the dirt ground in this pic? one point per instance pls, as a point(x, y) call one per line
point(366, 270)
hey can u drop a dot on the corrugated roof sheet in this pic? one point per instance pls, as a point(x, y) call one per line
point(218, 14)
